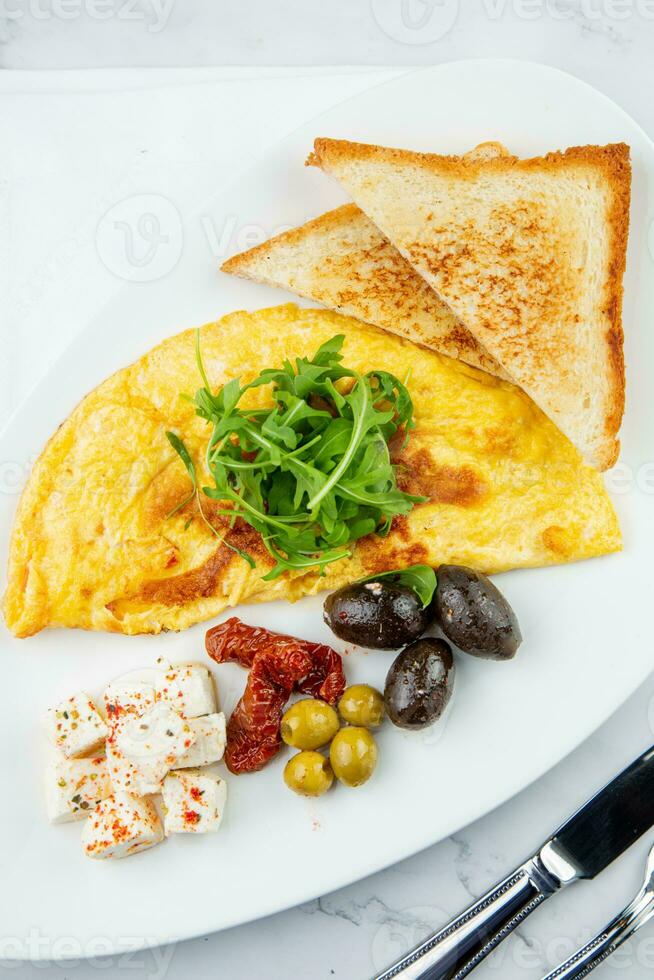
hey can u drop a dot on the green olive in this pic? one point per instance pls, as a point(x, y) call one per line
point(309, 774)
point(362, 705)
point(353, 755)
point(309, 724)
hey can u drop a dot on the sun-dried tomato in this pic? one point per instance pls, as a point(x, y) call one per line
point(278, 665)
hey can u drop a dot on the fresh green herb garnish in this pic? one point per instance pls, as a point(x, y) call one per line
point(420, 578)
point(313, 472)
point(185, 457)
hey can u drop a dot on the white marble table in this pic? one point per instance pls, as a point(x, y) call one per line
point(50, 204)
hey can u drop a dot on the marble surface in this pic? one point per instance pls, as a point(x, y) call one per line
point(51, 200)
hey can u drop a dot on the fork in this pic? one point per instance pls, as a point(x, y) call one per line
point(636, 914)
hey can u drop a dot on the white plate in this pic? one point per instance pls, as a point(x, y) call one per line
point(587, 645)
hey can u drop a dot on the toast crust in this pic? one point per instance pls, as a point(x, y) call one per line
point(237, 264)
point(610, 163)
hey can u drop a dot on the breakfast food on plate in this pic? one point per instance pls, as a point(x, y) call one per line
point(257, 728)
point(474, 615)
point(379, 613)
point(132, 693)
point(75, 726)
point(114, 531)
point(465, 605)
point(362, 705)
point(142, 749)
point(209, 743)
point(391, 610)
point(309, 724)
point(528, 254)
point(279, 665)
point(353, 755)
point(150, 748)
point(308, 774)
point(74, 787)
point(193, 802)
point(419, 683)
point(343, 261)
point(120, 826)
point(393, 459)
point(188, 688)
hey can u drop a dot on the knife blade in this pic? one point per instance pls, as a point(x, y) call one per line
point(594, 836)
point(604, 827)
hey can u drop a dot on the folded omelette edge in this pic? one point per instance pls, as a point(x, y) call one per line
point(94, 544)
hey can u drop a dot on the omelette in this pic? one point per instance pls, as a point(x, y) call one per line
point(108, 535)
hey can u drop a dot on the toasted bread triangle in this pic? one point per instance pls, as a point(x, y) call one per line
point(343, 261)
point(528, 254)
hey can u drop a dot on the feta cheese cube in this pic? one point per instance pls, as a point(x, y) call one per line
point(193, 802)
point(121, 826)
point(142, 749)
point(189, 688)
point(209, 746)
point(75, 726)
point(127, 698)
point(74, 787)
point(126, 778)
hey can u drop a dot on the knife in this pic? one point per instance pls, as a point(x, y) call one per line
point(583, 846)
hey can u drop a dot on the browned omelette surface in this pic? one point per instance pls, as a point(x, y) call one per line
point(94, 546)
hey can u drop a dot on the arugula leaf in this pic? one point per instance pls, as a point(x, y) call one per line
point(311, 472)
point(185, 457)
point(420, 578)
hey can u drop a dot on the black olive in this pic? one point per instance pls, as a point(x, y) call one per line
point(419, 684)
point(474, 615)
point(380, 615)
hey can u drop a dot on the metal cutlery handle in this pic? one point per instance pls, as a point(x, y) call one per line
point(601, 946)
point(454, 951)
